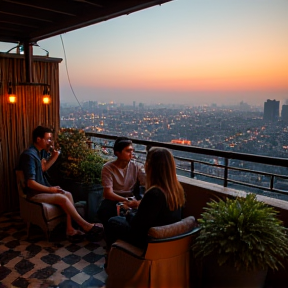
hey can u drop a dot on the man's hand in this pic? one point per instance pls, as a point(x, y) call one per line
point(132, 203)
point(43, 164)
point(56, 189)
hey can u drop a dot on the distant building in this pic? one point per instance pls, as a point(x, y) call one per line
point(181, 141)
point(244, 106)
point(271, 110)
point(284, 113)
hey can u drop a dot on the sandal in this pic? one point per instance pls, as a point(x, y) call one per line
point(95, 233)
point(76, 238)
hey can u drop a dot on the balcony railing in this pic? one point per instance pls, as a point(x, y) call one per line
point(251, 173)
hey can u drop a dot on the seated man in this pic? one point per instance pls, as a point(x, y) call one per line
point(119, 179)
point(38, 189)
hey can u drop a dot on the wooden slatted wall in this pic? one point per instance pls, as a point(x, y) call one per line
point(17, 121)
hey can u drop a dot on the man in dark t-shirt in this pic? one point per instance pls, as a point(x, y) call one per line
point(33, 163)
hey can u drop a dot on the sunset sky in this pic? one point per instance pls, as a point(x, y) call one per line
point(185, 51)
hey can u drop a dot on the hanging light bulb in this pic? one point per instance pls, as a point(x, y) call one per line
point(11, 96)
point(46, 96)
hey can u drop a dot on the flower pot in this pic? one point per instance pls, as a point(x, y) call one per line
point(226, 276)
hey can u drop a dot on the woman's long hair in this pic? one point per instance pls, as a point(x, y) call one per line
point(161, 172)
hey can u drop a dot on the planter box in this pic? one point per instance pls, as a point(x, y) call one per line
point(92, 194)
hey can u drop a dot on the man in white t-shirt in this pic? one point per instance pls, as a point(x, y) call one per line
point(119, 179)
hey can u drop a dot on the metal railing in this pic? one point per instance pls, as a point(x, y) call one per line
point(229, 169)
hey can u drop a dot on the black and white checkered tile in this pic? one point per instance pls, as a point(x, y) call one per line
point(35, 262)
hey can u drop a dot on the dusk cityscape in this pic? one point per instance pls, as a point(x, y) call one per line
point(201, 89)
point(240, 128)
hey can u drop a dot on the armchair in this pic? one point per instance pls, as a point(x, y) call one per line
point(46, 216)
point(165, 263)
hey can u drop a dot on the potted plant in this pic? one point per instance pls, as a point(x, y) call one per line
point(80, 168)
point(242, 236)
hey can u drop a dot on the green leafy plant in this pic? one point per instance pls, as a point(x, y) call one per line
point(242, 232)
point(78, 161)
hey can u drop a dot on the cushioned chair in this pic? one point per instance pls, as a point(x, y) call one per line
point(46, 216)
point(165, 263)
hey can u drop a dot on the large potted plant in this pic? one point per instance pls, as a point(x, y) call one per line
point(80, 168)
point(241, 237)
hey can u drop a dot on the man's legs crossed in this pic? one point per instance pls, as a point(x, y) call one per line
point(65, 201)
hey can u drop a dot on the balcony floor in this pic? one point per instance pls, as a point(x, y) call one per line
point(38, 263)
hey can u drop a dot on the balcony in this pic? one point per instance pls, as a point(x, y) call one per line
point(198, 193)
point(205, 174)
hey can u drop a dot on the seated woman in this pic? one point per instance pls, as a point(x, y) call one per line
point(161, 204)
point(119, 179)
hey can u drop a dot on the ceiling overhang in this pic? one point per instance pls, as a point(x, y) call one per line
point(33, 20)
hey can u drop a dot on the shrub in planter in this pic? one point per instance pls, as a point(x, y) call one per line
point(77, 160)
point(242, 233)
point(80, 167)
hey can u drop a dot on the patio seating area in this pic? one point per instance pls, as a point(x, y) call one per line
point(35, 262)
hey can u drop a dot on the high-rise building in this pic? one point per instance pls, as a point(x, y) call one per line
point(271, 110)
point(284, 112)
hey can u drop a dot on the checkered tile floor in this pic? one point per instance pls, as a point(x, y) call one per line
point(38, 263)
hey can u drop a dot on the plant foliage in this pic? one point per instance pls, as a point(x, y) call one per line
point(242, 232)
point(78, 161)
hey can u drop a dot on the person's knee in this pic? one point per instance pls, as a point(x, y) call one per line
point(68, 194)
point(61, 199)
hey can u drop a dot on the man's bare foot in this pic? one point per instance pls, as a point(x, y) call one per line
point(74, 232)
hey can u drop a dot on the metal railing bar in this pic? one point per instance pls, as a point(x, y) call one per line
point(259, 187)
point(227, 156)
point(211, 152)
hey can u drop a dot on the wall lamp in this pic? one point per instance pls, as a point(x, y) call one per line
point(46, 95)
point(12, 99)
point(11, 95)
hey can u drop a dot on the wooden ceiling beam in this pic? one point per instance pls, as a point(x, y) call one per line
point(40, 7)
point(89, 2)
point(25, 16)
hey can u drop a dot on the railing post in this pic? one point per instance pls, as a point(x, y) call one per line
point(226, 173)
point(271, 182)
point(192, 169)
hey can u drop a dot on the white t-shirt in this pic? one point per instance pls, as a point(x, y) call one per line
point(123, 181)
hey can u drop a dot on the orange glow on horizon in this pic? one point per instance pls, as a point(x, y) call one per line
point(257, 77)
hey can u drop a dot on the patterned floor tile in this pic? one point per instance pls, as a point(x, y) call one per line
point(24, 266)
point(69, 284)
point(51, 259)
point(34, 262)
point(92, 282)
point(92, 269)
point(70, 271)
point(81, 264)
point(80, 278)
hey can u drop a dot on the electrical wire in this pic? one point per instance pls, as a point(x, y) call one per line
point(66, 65)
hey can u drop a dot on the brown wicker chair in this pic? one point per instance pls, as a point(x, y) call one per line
point(46, 216)
point(165, 263)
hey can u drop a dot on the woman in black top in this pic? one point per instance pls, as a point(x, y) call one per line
point(161, 204)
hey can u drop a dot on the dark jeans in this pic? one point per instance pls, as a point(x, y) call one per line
point(107, 210)
point(117, 228)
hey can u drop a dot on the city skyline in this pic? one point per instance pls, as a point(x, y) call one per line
point(182, 52)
